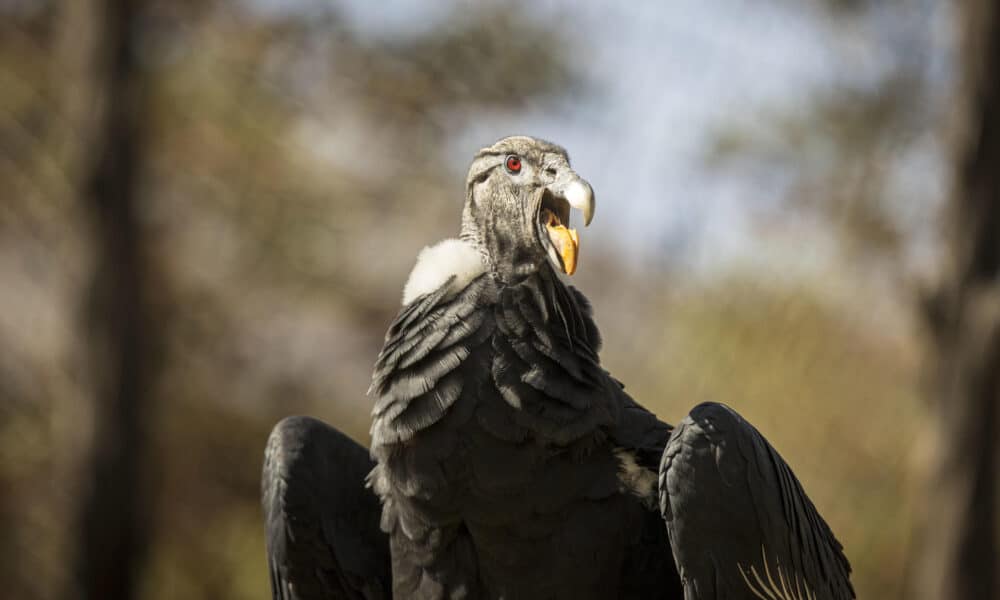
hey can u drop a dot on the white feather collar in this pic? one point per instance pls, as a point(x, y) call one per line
point(435, 264)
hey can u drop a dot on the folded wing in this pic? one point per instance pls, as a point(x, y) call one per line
point(322, 524)
point(739, 522)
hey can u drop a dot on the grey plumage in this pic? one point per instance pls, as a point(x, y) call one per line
point(510, 464)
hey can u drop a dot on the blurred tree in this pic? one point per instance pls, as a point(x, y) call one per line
point(112, 524)
point(958, 550)
point(839, 154)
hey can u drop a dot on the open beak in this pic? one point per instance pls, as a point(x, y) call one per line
point(569, 191)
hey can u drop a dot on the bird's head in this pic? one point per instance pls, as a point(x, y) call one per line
point(519, 195)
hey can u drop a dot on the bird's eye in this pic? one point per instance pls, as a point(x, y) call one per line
point(513, 164)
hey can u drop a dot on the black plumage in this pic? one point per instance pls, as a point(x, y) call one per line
point(720, 479)
point(323, 537)
point(510, 464)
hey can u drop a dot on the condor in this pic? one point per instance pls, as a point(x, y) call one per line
point(507, 463)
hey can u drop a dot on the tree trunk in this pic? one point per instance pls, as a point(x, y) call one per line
point(958, 553)
point(112, 524)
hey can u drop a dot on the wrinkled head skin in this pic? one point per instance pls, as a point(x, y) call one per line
point(519, 193)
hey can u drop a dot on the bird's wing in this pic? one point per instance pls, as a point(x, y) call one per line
point(739, 523)
point(322, 524)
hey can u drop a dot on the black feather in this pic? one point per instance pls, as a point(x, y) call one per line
point(323, 538)
point(720, 477)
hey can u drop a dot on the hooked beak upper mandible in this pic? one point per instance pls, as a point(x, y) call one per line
point(577, 193)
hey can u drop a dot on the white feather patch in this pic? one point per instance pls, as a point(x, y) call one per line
point(435, 264)
point(635, 479)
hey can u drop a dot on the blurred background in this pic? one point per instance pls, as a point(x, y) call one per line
point(209, 209)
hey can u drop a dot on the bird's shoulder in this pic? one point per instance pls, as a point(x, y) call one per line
point(418, 374)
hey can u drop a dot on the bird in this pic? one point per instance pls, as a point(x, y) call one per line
point(506, 462)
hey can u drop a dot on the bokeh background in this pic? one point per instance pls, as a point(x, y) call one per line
point(772, 179)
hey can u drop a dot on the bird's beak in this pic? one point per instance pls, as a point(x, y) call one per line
point(578, 193)
point(568, 191)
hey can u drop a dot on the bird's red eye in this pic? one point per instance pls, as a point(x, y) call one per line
point(513, 164)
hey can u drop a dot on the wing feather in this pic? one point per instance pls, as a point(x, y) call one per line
point(725, 491)
point(322, 523)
